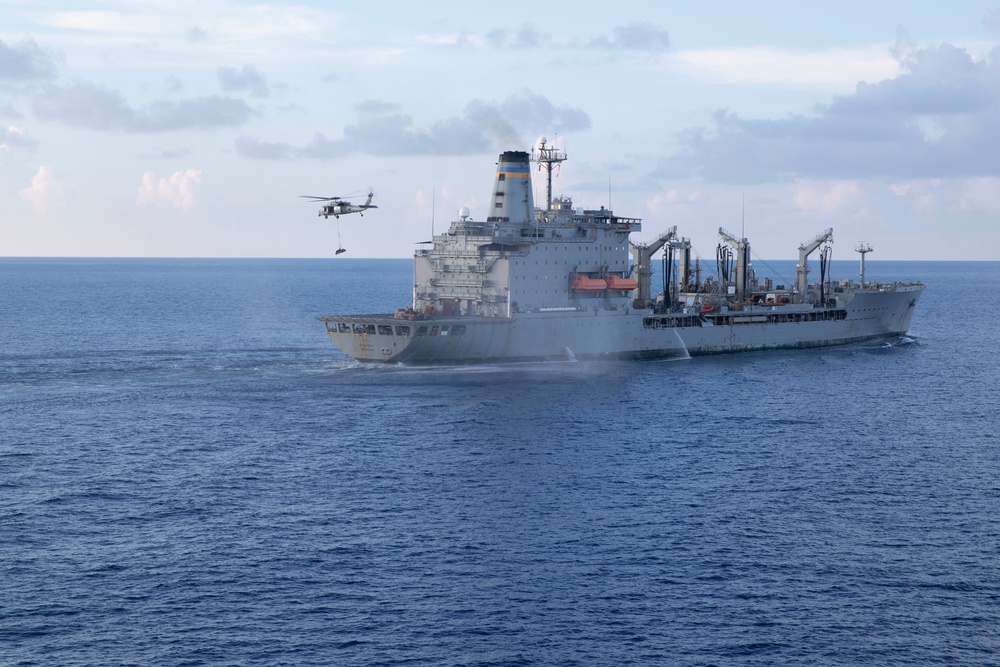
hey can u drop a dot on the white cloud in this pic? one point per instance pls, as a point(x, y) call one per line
point(277, 31)
point(16, 137)
point(177, 191)
point(96, 107)
point(102, 21)
point(196, 34)
point(932, 120)
point(525, 37)
point(248, 78)
point(657, 202)
point(384, 129)
point(25, 60)
point(635, 36)
point(927, 197)
point(992, 21)
point(828, 198)
point(980, 194)
point(662, 202)
point(836, 69)
point(47, 190)
point(962, 197)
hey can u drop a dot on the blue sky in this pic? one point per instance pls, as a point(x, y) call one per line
point(153, 128)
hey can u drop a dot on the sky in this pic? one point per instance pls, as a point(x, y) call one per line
point(155, 128)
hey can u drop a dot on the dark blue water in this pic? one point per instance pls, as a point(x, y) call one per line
point(190, 474)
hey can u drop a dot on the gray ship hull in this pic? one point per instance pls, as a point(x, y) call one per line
point(621, 334)
point(526, 337)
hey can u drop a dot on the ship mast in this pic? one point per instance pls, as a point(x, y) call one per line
point(547, 157)
point(864, 249)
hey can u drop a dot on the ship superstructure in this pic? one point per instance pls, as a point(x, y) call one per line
point(559, 282)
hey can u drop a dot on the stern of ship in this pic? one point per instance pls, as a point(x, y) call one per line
point(370, 338)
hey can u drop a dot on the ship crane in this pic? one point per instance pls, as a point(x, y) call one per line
point(742, 262)
point(801, 269)
point(642, 254)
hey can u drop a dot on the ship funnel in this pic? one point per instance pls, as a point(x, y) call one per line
point(512, 200)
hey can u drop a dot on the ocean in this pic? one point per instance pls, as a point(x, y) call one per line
point(191, 474)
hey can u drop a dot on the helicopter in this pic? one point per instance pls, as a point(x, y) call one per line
point(339, 206)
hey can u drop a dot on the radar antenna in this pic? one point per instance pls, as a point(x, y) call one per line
point(547, 157)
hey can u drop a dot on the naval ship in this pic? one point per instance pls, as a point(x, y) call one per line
point(565, 283)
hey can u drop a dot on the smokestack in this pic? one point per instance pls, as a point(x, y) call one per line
point(512, 200)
